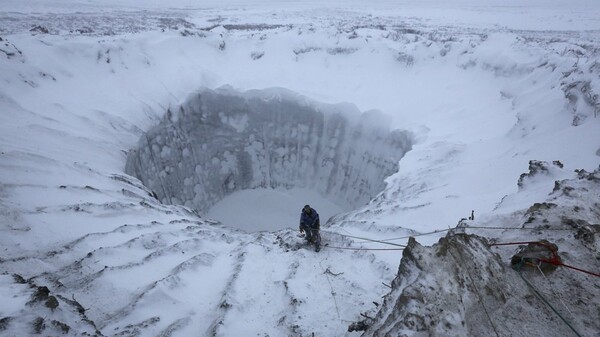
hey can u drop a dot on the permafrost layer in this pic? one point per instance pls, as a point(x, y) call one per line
point(221, 141)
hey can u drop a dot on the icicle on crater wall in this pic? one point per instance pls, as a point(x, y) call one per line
point(223, 141)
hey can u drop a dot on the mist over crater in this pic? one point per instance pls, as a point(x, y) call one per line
point(220, 142)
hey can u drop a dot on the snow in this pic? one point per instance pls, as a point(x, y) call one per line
point(483, 87)
point(11, 301)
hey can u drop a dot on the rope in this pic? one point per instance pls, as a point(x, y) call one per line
point(361, 248)
point(578, 269)
point(469, 227)
point(369, 240)
point(554, 292)
point(332, 292)
point(522, 243)
point(478, 294)
point(518, 228)
point(420, 234)
point(555, 260)
point(544, 299)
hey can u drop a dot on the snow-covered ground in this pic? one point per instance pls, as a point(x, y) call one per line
point(483, 86)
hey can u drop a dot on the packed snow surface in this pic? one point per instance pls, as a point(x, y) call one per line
point(482, 87)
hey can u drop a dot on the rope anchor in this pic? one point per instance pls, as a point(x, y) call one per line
point(528, 258)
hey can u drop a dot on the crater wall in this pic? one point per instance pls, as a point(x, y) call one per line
point(222, 141)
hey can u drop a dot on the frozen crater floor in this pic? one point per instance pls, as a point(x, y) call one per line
point(133, 137)
point(265, 209)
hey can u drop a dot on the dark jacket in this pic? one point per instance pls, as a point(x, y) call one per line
point(310, 220)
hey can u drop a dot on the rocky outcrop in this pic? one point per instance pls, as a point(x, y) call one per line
point(36, 310)
point(465, 286)
point(536, 168)
point(459, 287)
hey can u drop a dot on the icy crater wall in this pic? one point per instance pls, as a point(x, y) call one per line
point(222, 141)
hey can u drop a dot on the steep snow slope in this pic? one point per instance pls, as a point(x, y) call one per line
point(81, 83)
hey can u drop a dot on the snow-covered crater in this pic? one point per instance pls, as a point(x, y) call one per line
point(219, 142)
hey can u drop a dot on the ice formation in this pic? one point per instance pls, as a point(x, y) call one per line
point(221, 141)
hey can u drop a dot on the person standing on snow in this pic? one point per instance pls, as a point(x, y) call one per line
point(309, 223)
